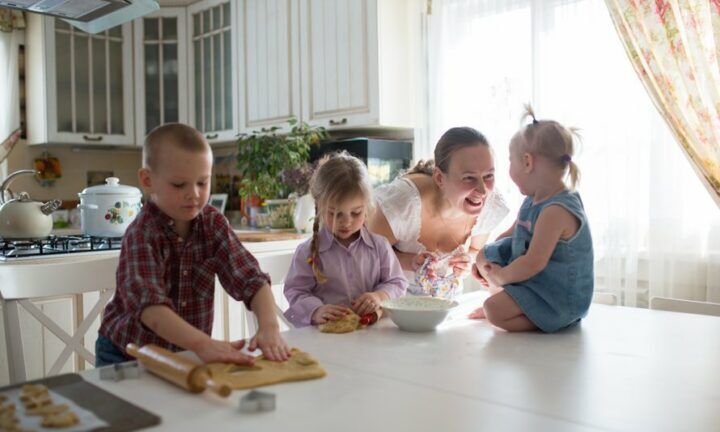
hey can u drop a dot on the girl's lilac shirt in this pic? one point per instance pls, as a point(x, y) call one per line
point(368, 264)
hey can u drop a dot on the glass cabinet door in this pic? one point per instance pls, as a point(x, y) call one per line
point(90, 83)
point(161, 70)
point(213, 90)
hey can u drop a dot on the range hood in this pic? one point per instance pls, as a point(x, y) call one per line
point(91, 16)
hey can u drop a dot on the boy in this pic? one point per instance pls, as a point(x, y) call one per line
point(170, 256)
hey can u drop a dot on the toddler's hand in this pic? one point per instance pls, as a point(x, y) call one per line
point(476, 274)
point(272, 345)
point(490, 273)
point(226, 352)
point(327, 313)
point(368, 302)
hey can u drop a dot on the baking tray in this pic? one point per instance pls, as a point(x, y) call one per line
point(120, 414)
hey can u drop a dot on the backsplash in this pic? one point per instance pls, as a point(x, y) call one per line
point(77, 164)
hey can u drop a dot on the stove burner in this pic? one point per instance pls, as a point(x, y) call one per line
point(54, 245)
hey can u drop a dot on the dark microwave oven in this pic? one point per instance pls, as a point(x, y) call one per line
point(384, 158)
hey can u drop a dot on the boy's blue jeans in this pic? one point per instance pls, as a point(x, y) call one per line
point(106, 353)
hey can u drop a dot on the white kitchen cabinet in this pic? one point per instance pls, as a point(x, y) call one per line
point(79, 86)
point(161, 81)
point(359, 62)
point(212, 78)
point(269, 63)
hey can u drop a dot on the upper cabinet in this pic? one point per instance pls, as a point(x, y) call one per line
point(358, 65)
point(269, 63)
point(79, 86)
point(160, 70)
point(334, 63)
point(213, 81)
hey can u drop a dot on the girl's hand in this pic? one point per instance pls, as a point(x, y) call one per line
point(327, 313)
point(491, 272)
point(213, 351)
point(460, 264)
point(272, 345)
point(476, 274)
point(368, 302)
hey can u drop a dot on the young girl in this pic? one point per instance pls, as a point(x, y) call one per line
point(544, 262)
point(343, 266)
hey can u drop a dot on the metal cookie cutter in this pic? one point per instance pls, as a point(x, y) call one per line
point(257, 401)
point(120, 371)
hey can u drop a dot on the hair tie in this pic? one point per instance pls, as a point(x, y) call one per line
point(535, 120)
point(566, 158)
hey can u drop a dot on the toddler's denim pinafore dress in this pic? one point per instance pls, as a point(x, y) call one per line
point(560, 294)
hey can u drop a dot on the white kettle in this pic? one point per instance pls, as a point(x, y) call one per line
point(23, 217)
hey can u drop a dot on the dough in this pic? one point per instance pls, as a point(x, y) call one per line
point(62, 420)
point(346, 324)
point(300, 366)
point(47, 410)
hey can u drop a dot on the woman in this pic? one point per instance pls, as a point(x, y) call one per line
point(441, 211)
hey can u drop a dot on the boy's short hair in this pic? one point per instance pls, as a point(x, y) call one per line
point(177, 134)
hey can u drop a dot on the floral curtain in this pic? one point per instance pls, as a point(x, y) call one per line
point(11, 19)
point(674, 46)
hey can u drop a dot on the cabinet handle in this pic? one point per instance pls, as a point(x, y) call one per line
point(338, 123)
point(211, 136)
point(92, 138)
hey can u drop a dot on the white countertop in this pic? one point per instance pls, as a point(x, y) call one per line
point(623, 369)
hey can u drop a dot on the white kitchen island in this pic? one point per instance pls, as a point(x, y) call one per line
point(622, 369)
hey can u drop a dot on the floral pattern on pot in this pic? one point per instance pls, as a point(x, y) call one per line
point(122, 211)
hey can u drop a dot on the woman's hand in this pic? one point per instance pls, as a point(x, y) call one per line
point(369, 302)
point(460, 264)
point(213, 351)
point(272, 345)
point(420, 259)
point(327, 313)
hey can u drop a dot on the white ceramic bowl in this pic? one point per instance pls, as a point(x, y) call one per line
point(418, 314)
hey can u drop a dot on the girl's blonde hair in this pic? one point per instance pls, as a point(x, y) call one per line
point(551, 140)
point(339, 176)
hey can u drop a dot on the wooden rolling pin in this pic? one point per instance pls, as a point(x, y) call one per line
point(177, 369)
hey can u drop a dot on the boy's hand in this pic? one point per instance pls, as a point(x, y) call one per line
point(216, 351)
point(272, 345)
point(368, 302)
point(327, 313)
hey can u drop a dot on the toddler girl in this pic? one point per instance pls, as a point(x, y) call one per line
point(541, 271)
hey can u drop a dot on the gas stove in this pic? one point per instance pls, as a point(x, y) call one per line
point(54, 246)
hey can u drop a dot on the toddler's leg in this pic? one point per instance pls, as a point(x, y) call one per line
point(502, 311)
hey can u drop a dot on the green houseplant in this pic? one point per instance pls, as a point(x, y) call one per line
point(263, 156)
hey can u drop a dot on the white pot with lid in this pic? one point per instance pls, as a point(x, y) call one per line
point(107, 210)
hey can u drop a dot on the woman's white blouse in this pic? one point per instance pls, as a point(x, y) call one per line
point(401, 204)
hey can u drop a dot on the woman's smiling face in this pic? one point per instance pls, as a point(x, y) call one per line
point(469, 179)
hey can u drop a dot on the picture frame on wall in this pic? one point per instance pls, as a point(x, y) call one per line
point(218, 201)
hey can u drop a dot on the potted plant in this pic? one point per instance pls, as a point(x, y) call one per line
point(263, 156)
point(298, 180)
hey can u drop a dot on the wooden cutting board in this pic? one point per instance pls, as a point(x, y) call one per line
point(268, 236)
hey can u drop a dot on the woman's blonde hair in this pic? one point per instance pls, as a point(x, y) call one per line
point(339, 176)
point(551, 140)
